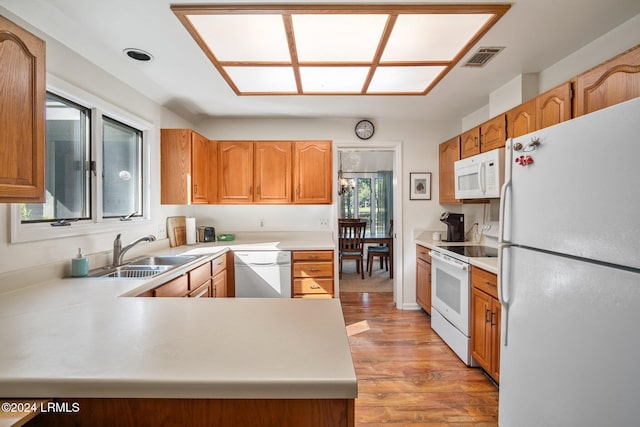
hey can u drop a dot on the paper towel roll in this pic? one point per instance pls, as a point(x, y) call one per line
point(190, 223)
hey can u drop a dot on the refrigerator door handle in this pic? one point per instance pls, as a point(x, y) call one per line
point(502, 287)
point(503, 196)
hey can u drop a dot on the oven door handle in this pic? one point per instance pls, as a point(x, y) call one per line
point(459, 266)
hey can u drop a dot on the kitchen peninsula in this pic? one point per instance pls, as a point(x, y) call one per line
point(191, 361)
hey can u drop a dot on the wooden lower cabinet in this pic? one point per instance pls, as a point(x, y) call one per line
point(219, 287)
point(423, 278)
point(485, 321)
point(200, 412)
point(208, 280)
point(312, 273)
point(178, 287)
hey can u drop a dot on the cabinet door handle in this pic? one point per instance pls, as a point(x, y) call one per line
point(251, 190)
point(492, 316)
point(313, 270)
point(488, 283)
point(487, 315)
point(315, 287)
point(195, 188)
point(258, 190)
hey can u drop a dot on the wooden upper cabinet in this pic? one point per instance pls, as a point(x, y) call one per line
point(272, 172)
point(610, 83)
point(554, 106)
point(448, 153)
point(493, 134)
point(185, 169)
point(235, 172)
point(22, 115)
point(199, 168)
point(312, 169)
point(521, 120)
point(470, 143)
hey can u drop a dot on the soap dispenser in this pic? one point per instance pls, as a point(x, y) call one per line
point(79, 265)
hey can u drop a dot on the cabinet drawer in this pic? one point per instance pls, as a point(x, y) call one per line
point(313, 269)
point(203, 291)
point(219, 264)
point(177, 287)
point(485, 281)
point(199, 275)
point(423, 253)
point(312, 255)
point(312, 286)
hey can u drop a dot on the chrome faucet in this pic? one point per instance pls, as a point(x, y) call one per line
point(119, 251)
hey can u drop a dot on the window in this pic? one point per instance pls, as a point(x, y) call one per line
point(368, 196)
point(122, 169)
point(97, 168)
point(67, 160)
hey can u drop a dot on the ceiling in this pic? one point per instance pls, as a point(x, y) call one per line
point(535, 33)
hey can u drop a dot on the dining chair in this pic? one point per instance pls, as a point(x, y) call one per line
point(351, 240)
point(381, 251)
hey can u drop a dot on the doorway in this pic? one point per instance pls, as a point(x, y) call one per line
point(368, 188)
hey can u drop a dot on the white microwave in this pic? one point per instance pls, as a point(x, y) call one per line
point(480, 176)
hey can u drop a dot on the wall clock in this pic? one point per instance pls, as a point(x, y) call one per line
point(364, 129)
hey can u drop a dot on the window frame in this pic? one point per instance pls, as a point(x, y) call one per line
point(37, 231)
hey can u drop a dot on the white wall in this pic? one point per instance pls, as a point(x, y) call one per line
point(18, 260)
point(616, 41)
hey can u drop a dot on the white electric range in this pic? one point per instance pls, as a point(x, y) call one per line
point(450, 294)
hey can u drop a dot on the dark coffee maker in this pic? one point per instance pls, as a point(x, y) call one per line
point(455, 226)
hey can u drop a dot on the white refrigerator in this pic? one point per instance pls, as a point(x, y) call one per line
point(570, 273)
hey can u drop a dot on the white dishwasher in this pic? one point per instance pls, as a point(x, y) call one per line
point(262, 274)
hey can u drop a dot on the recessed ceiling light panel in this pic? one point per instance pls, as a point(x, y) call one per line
point(338, 38)
point(333, 79)
point(263, 79)
point(431, 37)
point(244, 37)
point(403, 79)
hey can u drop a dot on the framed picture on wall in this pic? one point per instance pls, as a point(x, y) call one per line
point(420, 186)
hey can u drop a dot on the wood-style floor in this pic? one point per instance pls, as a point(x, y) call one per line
point(406, 374)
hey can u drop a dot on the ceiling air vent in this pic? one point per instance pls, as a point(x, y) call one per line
point(482, 56)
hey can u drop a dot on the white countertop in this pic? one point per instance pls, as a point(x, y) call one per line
point(485, 263)
point(82, 338)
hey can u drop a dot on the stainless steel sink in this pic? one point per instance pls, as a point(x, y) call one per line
point(143, 267)
point(162, 260)
point(137, 271)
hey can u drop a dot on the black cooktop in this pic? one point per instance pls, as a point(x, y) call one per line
point(473, 251)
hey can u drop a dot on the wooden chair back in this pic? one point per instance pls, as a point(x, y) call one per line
point(351, 236)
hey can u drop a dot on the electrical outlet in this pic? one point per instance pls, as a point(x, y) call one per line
point(261, 223)
point(324, 223)
point(162, 230)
